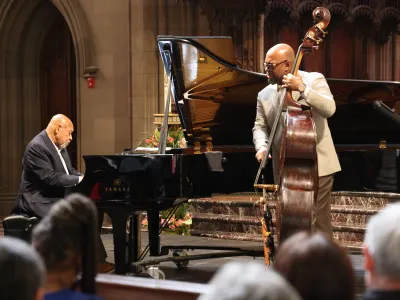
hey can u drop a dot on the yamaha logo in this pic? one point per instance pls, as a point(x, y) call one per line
point(117, 186)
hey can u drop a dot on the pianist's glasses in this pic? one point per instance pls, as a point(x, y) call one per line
point(270, 67)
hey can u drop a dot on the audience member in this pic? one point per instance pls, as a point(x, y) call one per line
point(382, 255)
point(63, 238)
point(22, 271)
point(248, 280)
point(316, 267)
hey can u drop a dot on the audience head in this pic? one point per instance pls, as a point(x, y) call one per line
point(60, 130)
point(64, 236)
point(248, 280)
point(316, 267)
point(22, 271)
point(381, 249)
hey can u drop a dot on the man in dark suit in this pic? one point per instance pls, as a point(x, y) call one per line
point(46, 169)
point(47, 173)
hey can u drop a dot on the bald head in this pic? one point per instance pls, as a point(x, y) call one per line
point(60, 130)
point(281, 52)
point(60, 120)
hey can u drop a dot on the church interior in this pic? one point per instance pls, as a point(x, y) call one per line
point(200, 149)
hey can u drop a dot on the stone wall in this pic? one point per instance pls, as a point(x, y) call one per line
point(115, 41)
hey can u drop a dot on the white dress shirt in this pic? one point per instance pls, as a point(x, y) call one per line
point(63, 161)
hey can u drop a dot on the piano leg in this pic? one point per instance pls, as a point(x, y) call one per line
point(119, 219)
point(153, 217)
point(134, 244)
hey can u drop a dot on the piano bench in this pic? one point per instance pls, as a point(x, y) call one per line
point(19, 226)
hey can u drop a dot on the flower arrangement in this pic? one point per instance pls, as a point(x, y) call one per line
point(175, 138)
point(178, 224)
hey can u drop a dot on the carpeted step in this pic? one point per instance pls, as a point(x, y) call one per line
point(340, 213)
point(251, 225)
point(363, 199)
point(248, 207)
point(227, 235)
point(348, 245)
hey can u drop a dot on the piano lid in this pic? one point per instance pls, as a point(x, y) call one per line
point(356, 120)
point(216, 100)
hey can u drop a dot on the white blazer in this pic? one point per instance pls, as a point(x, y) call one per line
point(323, 106)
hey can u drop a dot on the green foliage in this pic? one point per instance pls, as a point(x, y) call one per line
point(175, 138)
point(179, 223)
point(179, 214)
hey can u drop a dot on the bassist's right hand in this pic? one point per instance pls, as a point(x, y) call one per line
point(261, 153)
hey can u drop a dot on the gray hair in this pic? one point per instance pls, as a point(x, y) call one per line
point(248, 280)
point(382, 239)
point(22, 271)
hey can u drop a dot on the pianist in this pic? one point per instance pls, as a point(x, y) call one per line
point(47, 172)
point(46, 169)
point(309, 89)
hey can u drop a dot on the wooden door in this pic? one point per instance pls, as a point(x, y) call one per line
point(58, 79)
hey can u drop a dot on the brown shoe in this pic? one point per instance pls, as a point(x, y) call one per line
point(104, 267)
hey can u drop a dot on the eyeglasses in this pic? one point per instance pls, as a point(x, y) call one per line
point(270, 67)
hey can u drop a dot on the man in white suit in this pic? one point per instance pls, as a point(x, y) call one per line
point(309, 89)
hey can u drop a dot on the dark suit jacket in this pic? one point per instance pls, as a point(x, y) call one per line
point(43, 179)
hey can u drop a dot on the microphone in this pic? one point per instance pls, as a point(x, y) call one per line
point(386, 111)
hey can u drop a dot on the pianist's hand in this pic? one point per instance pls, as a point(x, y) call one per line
point(261, 153)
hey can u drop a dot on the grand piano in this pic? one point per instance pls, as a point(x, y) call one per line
point(216, 103)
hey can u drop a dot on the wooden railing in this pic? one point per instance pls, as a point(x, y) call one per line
point(116, 287)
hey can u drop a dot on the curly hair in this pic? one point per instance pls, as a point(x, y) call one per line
point(68, 229)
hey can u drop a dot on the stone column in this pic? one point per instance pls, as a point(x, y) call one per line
point(396, 64)
point(371, 62)
point(260, 43)
point(201, 26)
point(386, 61)
point(145, 67)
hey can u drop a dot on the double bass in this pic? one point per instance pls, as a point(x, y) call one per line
point(297, 191)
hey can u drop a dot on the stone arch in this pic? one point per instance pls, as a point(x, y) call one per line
point(339, 9)
point(390, 12)
point(80, 30)
point(76, 20)
point(23, 28)
point(306, 6)
point(363, 11)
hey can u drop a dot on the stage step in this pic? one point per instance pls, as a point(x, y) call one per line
point(349, 246)
point(238, 217)
point(249, 224)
